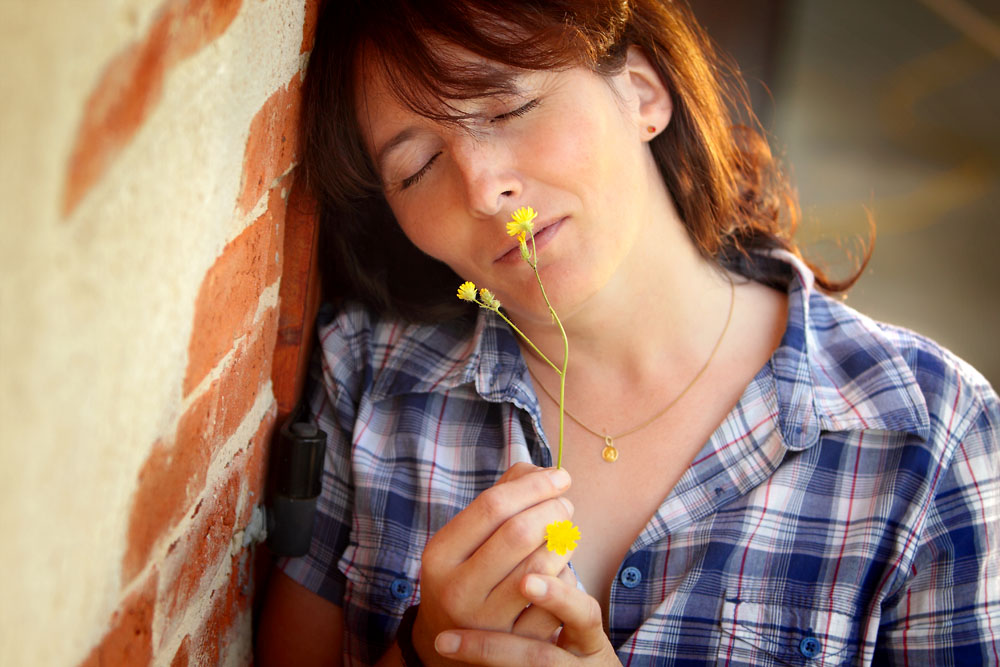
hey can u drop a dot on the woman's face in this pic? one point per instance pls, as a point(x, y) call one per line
point(570, 144)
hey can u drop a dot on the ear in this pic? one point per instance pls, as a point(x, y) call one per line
point(654, 105)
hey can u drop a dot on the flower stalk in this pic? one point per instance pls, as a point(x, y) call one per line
point(560, 536)
point(522, 227)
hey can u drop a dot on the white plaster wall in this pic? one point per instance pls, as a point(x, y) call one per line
point(96, 310)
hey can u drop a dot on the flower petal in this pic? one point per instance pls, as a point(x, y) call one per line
point(561, 536)
point(467, 291)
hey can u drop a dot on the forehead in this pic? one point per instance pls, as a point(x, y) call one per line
point(432, 87)
point(391, 93)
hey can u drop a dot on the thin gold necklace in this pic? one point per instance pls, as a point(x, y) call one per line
point(610, 452)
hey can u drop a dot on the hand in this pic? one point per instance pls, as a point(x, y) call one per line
point(538, 623)
point(581, 642)
point(472, 569)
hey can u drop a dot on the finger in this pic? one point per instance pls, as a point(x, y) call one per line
point(471, 527)
point(538, 623)
point(517, 471)
point(506, 599)
point(488, 584)
point(583, 630)
point(515, 549)
point(499, 649)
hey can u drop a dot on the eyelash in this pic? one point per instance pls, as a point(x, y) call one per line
point(410, 181)
point(516, 113)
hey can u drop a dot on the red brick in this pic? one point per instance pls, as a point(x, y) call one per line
point(233, 607)
point(277, 209)
point(174, 474)
point(203, 549)
point(169, 481)
point(181, 657)
point(229, 294)
point(131, 85)
point(298, 299)
point(272, 144)
point(258, 451)
point(249, 370)
point(229, 605)
point(129, 639)
point(309, 26)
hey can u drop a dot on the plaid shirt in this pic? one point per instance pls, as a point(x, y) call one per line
point(847, 511)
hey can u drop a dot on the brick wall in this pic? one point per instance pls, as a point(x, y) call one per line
point(190, 292)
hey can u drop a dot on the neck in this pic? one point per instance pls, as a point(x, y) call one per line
point(659, 316)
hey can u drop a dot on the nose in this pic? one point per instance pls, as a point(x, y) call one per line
point(489, 176)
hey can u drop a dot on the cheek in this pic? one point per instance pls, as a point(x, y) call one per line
point(579, 148)
point(433, 236)
point(566, 146)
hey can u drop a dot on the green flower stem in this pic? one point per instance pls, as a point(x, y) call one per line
point(562, 374)
point(526, 339)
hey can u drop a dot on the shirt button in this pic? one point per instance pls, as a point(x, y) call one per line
point(401, 589)
point(630, 577)
point(810, 647)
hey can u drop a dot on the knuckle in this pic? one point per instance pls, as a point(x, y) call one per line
point(543, 655)
point(519, 469)
point(452, 600)
point(546, 562)
point(489, 650)
point(431, 554)
point(592, 614)
point(521, 533)
point(493, 504)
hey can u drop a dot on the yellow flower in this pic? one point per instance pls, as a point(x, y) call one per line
point(561, 536)
point(467, 291)
point(489, 301)
point(520, 223)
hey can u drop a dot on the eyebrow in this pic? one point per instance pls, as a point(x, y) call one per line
point(399, 138)
point(408, 133)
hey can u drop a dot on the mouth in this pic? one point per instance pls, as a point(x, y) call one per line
point(543, 235)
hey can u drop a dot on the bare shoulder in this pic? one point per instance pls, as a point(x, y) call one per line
point(297, 626)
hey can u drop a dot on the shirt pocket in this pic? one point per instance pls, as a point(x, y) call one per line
point(381, 580)
point(781, 634)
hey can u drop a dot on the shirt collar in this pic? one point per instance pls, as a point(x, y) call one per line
point(428, 358)
point(837, 370)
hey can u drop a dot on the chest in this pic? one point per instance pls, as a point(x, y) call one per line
point(615, 501)
point(718, 583)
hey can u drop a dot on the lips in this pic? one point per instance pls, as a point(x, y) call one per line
point(543, 234)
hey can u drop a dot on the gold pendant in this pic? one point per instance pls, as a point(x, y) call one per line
point(610, 454)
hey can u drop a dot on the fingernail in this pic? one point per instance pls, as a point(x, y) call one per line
point(567, 504)
point(447, 642)
point(559, 478)
point(535, 586)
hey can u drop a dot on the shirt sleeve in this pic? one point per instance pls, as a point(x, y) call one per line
point(335, 379)
point(948, 610)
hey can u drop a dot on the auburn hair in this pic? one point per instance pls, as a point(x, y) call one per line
point(729, 190)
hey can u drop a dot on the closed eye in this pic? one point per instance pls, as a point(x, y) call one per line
point(520, 111)
point(412, 180)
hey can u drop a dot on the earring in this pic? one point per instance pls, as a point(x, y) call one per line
point(651, 129)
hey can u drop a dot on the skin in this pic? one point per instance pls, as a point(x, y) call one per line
point(468, 180)
point(575, 147)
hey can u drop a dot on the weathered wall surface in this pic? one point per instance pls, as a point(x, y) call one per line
point(148, 160)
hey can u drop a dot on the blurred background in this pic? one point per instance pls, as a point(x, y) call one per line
point(894, 107)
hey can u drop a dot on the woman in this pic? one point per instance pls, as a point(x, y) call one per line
point(760, 475)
